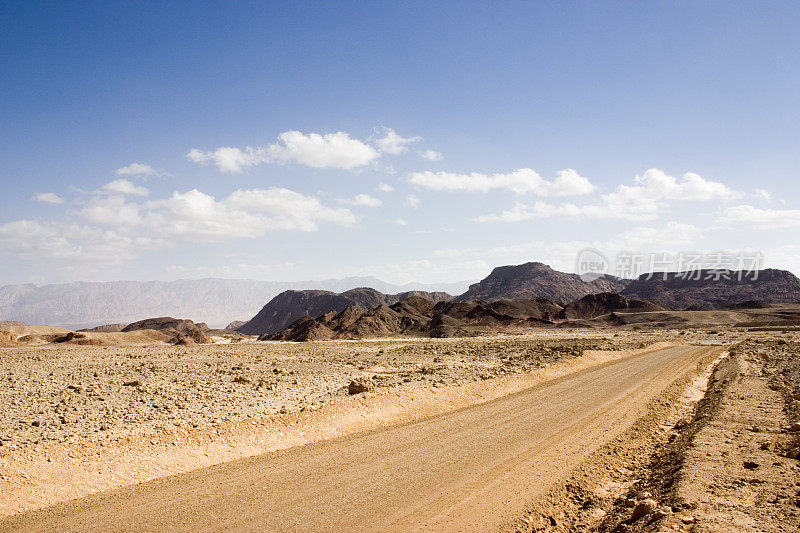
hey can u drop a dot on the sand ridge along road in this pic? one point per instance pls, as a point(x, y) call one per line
point(472, 469)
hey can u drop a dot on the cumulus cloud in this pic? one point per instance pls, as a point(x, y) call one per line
point(523, 180)
point(385, 187)
point(329, 150)
point(137, 169)
point(123, 186)
point(335, 150)
point(230, 159)
point(400, 222)
point(111, 210)
point(655, 186)
point(197, 216)
point(48, 198)
point(112, 227)
point(393, 144)
point(430, 155)
point(364, 200)
point(748, 216)
point(644, 200)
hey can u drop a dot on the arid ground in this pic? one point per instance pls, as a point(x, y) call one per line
point(615, 429)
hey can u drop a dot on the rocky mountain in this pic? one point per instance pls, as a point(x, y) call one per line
point(291, 305)
point(715, 289)
point(179, 331)
point(215, 301)
point(606, 303)
point(419, 316)
point(537, 280)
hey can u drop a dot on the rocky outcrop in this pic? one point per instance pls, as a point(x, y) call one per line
point(177, 329)
point(537, 280)
point(708, 289)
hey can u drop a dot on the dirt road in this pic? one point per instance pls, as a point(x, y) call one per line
point(472, 469)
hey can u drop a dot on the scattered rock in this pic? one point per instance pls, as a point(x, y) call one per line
point(643, 508)
point(360, 385)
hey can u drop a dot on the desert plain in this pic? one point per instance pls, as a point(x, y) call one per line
point(714, 441)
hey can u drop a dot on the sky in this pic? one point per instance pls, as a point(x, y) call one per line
point(411, 141)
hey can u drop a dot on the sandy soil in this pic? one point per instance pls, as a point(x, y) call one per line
point(469, 469)
point(99, 417)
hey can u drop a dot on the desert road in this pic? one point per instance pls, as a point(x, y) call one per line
point(471, 469)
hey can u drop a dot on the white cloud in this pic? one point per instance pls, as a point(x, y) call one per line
point(762, 194)
point(643, 201)
point(73, 243)
point(364, 200)
point(230, 159)
point(393, 144)
point(330, 150)
point(123, 186)
point(523, 180)
point(411, 201)
point(335, 150)
point(430, 155)
point(197, 216)
point(114, 227)
point(655, 186)
point(747, 216)
point(385, 187)
point(137, 169)
point(111, 211)
point(48, 198)
point(400, 222)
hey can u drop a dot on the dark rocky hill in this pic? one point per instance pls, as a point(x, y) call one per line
point(716, 289)
point(605, 303)
point(180, 331)
point(289, 306)
point(537, 280)
point(419, 316)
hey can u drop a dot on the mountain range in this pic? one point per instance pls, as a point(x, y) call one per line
point(219, 302)
point(214, 301)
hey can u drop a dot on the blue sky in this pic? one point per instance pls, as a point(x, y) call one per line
point(507, 132)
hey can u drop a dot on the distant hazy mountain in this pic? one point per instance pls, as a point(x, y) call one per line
point(290, 305)
point(537, 280)
point(214, 301)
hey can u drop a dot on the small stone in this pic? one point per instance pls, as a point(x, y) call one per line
point(360, 385)
point(134, 383)
point(661, 512)
point(750, 465)
point(643, 508)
